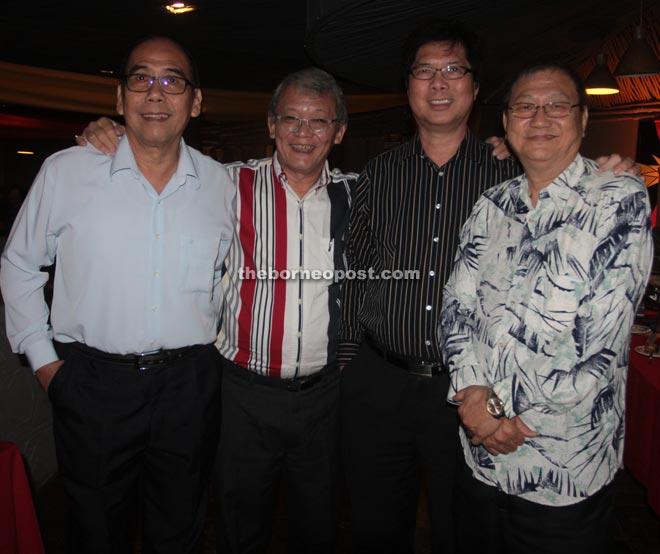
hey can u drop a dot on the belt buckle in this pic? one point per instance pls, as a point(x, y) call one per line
point(423, 369)
point(141, 359)
point(303, 383)
point(426, 374)
point(294, 385)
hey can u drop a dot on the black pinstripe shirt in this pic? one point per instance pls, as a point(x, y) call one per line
point(407, 215)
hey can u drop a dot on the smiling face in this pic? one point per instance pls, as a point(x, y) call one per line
point(441, 105)
point(153, 118)
point(544, 144)
point(302, 153)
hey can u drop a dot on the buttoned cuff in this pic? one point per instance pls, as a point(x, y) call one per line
point(40, 353)
point(346, 351)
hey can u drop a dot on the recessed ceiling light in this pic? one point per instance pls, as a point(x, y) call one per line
point(25, 152)
point(179, 7)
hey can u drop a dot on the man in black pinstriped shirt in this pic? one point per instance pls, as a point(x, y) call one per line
point(409, 206)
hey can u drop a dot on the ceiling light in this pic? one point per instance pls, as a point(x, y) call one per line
point(600, 80)
point(639, 59)
point(25, 152)
point(179, 7)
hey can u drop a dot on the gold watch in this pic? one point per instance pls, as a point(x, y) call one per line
point(494, 406)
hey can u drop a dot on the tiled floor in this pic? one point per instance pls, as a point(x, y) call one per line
point(637, 532)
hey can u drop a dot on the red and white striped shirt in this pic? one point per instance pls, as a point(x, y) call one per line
point(283, 327)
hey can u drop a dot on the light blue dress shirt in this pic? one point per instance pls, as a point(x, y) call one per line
point(136, 271)
point(540, 306)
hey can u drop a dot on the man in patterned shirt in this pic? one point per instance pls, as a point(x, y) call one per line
point(536, 328)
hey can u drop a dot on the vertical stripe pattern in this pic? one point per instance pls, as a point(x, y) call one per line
point(407, 215)
point(276, 326)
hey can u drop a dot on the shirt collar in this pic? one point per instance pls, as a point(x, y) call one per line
point(125, 160)
point(470, 148)
point(562, 188)
point(323, 180)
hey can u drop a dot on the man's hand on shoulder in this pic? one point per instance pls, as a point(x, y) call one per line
point(500, 149)
point(103, 134)
point(46, 373)
point(617, 164)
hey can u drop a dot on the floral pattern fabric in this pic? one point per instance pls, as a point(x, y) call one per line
point(540, 305)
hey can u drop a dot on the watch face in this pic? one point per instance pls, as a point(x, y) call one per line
point(495, 407)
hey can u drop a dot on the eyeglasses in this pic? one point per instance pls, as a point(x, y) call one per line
point(527, 110)
point(170, 84)
point(449, 72)
point(316, 125)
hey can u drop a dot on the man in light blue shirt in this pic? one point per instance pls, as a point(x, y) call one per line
point(127, 357)
point(536, 328)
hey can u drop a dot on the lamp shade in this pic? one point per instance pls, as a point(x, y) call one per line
point(639, 59)
point(600, 80)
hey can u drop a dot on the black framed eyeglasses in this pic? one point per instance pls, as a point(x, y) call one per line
point(170, 84)
point(449, 72)
point(316, 125)
point(527, 110)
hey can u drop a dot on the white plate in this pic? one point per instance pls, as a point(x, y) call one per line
point(640, 350)
point(640, 330)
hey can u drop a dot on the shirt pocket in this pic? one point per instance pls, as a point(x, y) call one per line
point(200, 255)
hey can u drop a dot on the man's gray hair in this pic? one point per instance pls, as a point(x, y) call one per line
point(312, 80)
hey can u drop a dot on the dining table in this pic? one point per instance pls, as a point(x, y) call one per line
point(641, 455)
point(19, 528)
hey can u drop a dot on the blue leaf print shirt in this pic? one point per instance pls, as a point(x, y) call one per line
point(539, 305)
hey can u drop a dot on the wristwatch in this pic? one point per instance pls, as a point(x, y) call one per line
point(494, 406)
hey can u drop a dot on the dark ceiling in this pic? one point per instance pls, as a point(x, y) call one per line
point(243, 44)
point(251, 44)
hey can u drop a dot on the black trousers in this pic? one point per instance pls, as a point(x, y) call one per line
point(491, 521)
point(118, 431)
point(272, 435)
point(396, 428)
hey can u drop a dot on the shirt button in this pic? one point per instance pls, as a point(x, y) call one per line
point(154, 308)
point(429, 308)
point(428, 343)
point(441, 173)
point(157, 236)
point(432, 273)
point(300, 237)
point(299, 334)
point(156, 274)
point(435, 239)
point(437, 206)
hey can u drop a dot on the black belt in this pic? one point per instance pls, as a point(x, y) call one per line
point(419, 368)
point(292, 385)
point(141, 361)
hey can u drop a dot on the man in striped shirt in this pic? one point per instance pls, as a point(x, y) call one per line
point(279, 322)
point(278, 337)
point(409, 206)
